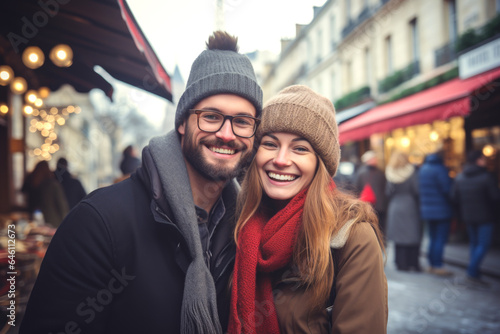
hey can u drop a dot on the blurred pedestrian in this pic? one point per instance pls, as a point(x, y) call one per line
point(155, 252)
point(46, 194)
point(477, 197)
point(129, 163)
point(303, 245)
point(370, 184)
point(73, 188)
point(404, 225)
point(435, 208)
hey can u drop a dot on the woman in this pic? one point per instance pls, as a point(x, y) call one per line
point(302, 244)
point(404, 226)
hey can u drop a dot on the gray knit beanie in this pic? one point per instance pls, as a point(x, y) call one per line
point(299, 110)
point(219, 72)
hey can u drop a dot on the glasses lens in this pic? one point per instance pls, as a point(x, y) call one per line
point(243, 126)
point(210, 121)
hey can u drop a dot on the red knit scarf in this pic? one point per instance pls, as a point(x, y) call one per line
point(263, 247)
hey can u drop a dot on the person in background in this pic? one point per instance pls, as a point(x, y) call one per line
point(154, 253)
point(476, 195)
point(73, 188)
point(302, 244)
point(46, 194)
point(435, 208)
point(404, 225)
point(369, 174)
point(129, 163)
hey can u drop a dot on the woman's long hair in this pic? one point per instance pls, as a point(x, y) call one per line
point(326, 210)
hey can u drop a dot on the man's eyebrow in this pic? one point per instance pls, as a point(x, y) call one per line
point(241, 113)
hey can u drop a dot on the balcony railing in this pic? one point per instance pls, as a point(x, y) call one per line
point(445, 54)
point(363, 16)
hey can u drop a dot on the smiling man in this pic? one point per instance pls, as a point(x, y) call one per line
point(154, 253)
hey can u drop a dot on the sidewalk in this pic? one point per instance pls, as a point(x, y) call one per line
point(457, 254)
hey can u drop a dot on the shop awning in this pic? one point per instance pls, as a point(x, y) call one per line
point(350, 113)
point(101, 33)
point(453, 98)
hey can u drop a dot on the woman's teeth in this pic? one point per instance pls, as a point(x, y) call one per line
point(281, 177)
point(222, 150)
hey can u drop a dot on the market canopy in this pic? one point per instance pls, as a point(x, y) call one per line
point(453, 98)
point(100, 32)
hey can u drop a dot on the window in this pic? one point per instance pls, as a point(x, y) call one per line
point(368, 68)
point(319, 45)
point(388, 55)
point(415, 52)
point(452, 19)
point(333, 36)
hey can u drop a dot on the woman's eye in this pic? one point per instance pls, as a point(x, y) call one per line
point(268, 144)
point(302, 149)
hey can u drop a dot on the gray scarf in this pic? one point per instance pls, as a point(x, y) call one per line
point(199, 306)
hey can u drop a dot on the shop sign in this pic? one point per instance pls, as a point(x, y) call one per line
point(479, 60)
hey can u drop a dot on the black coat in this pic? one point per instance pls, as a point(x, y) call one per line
point(476, 195)
point(117, 265)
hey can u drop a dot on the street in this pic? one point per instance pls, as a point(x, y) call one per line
point(425, 303)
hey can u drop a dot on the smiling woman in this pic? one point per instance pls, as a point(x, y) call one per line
point(312, 254)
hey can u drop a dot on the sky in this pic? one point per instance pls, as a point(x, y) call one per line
point(177, 30)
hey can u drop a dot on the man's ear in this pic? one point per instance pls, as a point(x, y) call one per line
point(182, 128)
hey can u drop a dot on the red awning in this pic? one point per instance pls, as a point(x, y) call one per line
point(453, 98)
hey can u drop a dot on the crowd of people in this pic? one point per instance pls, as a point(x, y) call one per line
point(232, 222)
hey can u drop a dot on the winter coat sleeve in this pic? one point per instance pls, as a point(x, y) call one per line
point(76, 278)
point(361, 286)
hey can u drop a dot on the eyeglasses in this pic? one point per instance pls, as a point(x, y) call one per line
point(212, 121)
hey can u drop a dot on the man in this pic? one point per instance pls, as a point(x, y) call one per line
point(73, 188)
point(435, 208)
point(370, 175)
point(154, 253)
point(476, 195)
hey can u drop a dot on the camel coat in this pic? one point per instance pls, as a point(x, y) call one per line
point(361, 290)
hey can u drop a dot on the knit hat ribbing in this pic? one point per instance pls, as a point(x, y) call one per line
point(219, 72)
point(299, 110)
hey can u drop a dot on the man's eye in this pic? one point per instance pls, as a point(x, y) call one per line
point(211, 117)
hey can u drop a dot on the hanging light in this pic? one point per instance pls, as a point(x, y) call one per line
point(6, 75)
point(61, 55)
point(18, 85)
point(33, 57)
point(4, 108)
point(44, 92)
point(28, 110)
point(31, 96)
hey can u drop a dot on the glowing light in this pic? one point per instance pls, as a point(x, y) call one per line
point(4, 108)
point(434, 136)
point(31, 96)
point(33, 57)
point(405, 142)
point(6, 75)
point(44, 92)
point(61, 55)
point(18, 85)
point(28, 110)
point(61, 121)
point(38, 103)
point(488, 150)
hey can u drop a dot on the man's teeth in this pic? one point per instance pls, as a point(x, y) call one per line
point(222, 150)
point(281, 177)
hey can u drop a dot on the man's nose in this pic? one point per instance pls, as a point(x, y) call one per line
point(226, 132)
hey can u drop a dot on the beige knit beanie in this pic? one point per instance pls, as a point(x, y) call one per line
point(299, 110)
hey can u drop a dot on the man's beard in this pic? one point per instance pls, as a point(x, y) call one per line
point(215, 172)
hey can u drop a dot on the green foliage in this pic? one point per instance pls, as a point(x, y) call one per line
point(398, 77)
point(352, 98)
point(451, 74)
point(472, 37)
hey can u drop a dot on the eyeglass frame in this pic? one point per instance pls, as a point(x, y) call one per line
point(197, 112)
